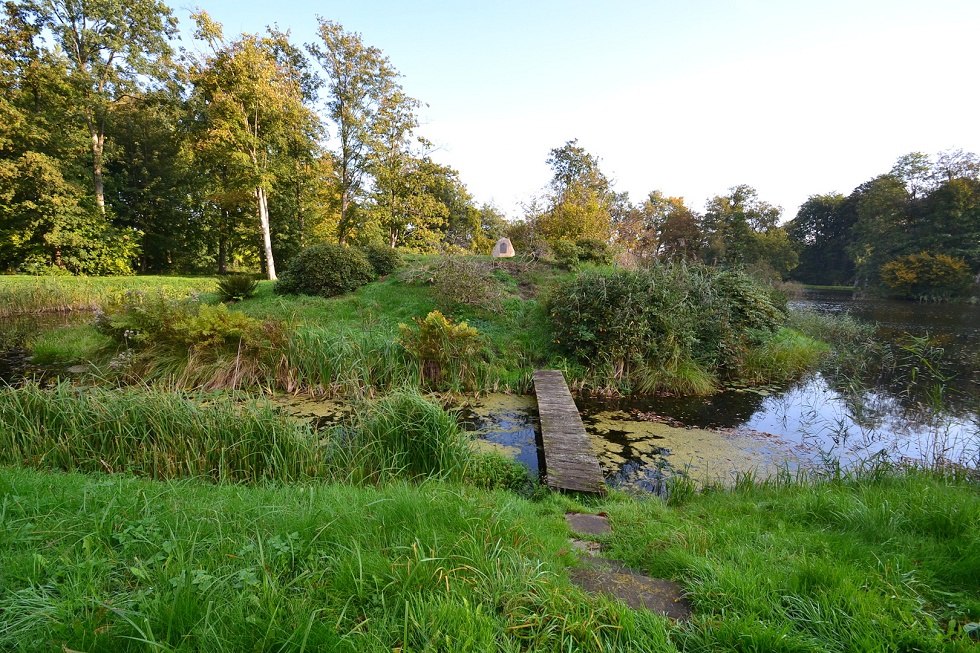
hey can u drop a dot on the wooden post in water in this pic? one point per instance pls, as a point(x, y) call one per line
point(569, 461)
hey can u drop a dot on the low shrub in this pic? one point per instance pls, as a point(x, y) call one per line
point(383, 259)
point(492, 471)
point(672, 326)
point(444, 350)
point(326, 270)
point(236, 287)
point(593, 250)
point(460, 281)
point(566, 254)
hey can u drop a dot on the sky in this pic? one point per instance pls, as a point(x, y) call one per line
point(687, 97)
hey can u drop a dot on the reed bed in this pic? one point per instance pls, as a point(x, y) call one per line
point(154, 433)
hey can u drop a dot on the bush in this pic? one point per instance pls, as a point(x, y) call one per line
point(383, 259)
point(927, 276)
point(443, 349)
point(569, 254)
point(672, 326)
point(593, 250)
point(566, 254)
point(325, 270)
point(458, 281)
point(236, 287)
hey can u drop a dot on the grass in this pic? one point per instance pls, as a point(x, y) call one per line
point(349, 345)
point(788, 354)
point(69, 344)
point(21, 294)
point(110, 563)
point(154, 433)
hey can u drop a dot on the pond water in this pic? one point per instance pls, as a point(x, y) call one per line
point(828, 416)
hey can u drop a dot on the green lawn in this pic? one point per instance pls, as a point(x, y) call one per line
point(109, 563)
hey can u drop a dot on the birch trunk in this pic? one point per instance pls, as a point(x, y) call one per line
point(263, 205)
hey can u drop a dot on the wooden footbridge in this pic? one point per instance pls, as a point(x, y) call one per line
point(569, 462)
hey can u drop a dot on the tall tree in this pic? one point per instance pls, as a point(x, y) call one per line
point(252, 109)
point(113, 49)
point(580, 204)
point(822, 231)
point(362, 89)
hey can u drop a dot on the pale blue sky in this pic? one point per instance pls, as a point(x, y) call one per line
point(690, 98)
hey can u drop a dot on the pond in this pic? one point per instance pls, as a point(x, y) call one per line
point(826, 418)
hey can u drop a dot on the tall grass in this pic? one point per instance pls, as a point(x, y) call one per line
point(23, 294)
point(404, 435)
point(153, 433)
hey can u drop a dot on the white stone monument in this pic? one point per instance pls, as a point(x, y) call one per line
point(503, 249)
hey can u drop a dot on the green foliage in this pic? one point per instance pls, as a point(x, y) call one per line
point(153, 433)
point(384, 260)
point(671, 326)
point(927, 276)
point(443, 349)
point(566, 253)
point(327, 270)
point(236, 287)
point(20, 294)
point(569, 254)
point(462, 281)
point(404, 435)
point(492, 471)
point(72, 344)
point(783, 356)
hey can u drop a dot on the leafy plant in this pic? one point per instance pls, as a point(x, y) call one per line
point(327, 270)
point(927, 276)
point(442, 346)
point(236, 287)
point(383, 259)
point(459, 281)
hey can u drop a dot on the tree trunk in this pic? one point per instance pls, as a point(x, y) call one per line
point(98, 144)
point(222, 254)
point(263, 205)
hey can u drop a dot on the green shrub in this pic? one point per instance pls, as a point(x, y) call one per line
point(461, 281)
point(492, 471)
point(443, 349)
point(236, 287)
point(326, 270)
point(927, 276)
point(566, 254)
point(383, 259)
point(593, 250)
point(670, 327)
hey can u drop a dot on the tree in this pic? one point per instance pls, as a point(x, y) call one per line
point(251, 111)
point(882, 226)
point(731, 223)
point(361, 84)
point(822, 231)
point(113, 49)
point(580, 203)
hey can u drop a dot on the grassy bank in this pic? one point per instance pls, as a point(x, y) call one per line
point(21, 294)
point(702, 329)
point(116, 564)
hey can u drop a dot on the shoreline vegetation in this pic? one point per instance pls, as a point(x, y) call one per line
point(406, 329)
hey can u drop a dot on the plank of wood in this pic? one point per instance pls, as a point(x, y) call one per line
point(569, 462)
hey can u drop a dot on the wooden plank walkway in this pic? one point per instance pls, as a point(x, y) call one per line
point(569, 462)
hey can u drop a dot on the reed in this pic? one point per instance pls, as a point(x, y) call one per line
point(154, 433)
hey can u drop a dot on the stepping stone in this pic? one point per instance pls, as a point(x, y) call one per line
point(77, 369)
point(585, 524)
point(636, 590)
point(585, 546)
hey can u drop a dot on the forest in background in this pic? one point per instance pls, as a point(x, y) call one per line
point(123, 152)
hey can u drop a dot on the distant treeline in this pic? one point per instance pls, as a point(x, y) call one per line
point(121, 152)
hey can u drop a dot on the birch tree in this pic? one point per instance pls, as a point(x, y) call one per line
point(251, 112)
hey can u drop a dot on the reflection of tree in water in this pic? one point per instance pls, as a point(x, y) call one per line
point(727, 409)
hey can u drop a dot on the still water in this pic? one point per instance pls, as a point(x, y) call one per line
point(826, 418)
